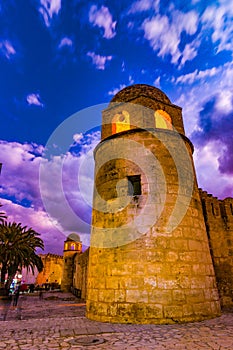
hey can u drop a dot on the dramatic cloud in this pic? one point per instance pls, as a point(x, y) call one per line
point(99, 61)
point(103, 19)
point(224, 102)
point(207, 102)
point(19, 178)
point(200, 87)
point(34, 99)
point(213, 147)
point(40, 222)
point(32, 184)
point(207, 168)
point(164, 34)
point(65, 49)
point(220, 20)
point(6, 49)
point(49, 8)
point(216, 126)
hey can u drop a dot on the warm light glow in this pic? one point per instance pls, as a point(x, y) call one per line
point(120, 122)
point(162, 120)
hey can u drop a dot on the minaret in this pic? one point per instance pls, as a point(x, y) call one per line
point(149, 256)
point(72, 246)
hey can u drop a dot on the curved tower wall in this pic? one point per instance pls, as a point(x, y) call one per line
point(149, 257)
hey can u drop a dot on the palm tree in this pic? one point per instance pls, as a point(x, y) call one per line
point(2, 215)
point(17, 250)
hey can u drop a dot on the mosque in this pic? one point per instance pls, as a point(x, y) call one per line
point(161, 248)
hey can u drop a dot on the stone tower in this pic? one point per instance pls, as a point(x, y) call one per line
point(149, 256)
point(72, 246)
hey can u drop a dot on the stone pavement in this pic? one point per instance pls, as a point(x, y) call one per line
point(58, 322)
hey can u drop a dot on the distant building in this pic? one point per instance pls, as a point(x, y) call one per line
point(52, 270)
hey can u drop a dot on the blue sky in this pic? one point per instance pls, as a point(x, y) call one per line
point(61, 57)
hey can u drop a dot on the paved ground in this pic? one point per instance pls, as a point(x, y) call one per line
point(58, 322)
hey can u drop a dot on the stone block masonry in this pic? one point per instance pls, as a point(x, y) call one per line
point(219, 225)
point(149, 259)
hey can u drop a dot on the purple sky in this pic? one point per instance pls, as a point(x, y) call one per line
point(60, 57)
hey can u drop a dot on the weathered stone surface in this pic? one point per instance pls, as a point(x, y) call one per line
point(149, 259)
point(219, 224)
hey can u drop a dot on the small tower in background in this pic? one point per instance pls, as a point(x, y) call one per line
point(72, 246)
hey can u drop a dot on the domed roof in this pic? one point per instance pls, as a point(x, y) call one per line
point(132, 92)
point(73, 237)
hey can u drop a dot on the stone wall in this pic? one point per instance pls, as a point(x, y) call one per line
point(52, 270)
point(218, 215)
point(219, 225)
point(80, 272)
point(68, 271)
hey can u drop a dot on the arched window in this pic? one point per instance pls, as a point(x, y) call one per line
point(120, 122)
point(163, 120)
point(72, 246)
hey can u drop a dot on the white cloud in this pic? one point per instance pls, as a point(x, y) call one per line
point(65, 42)
point(34, 99)
point(7, 49)
point(114, 91)
point(157, 82)
point(224, 101)
point(220, 20)
point(144, 5)
point(164, 34)
point(99, 61)
point(103, 19)
point(78, 137)
point(189, 53)
point(48, 9)
point(190, 78)
point(131, 80)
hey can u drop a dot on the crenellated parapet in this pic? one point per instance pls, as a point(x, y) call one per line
point(50, 256)
point(218, 212)
point(218, 216)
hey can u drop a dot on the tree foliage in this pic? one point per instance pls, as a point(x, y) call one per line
point(18, 246)
point(2, 215)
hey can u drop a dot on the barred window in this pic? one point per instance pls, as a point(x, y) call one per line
point(134, 185)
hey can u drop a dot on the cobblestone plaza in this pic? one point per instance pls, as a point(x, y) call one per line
point(58, 322)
